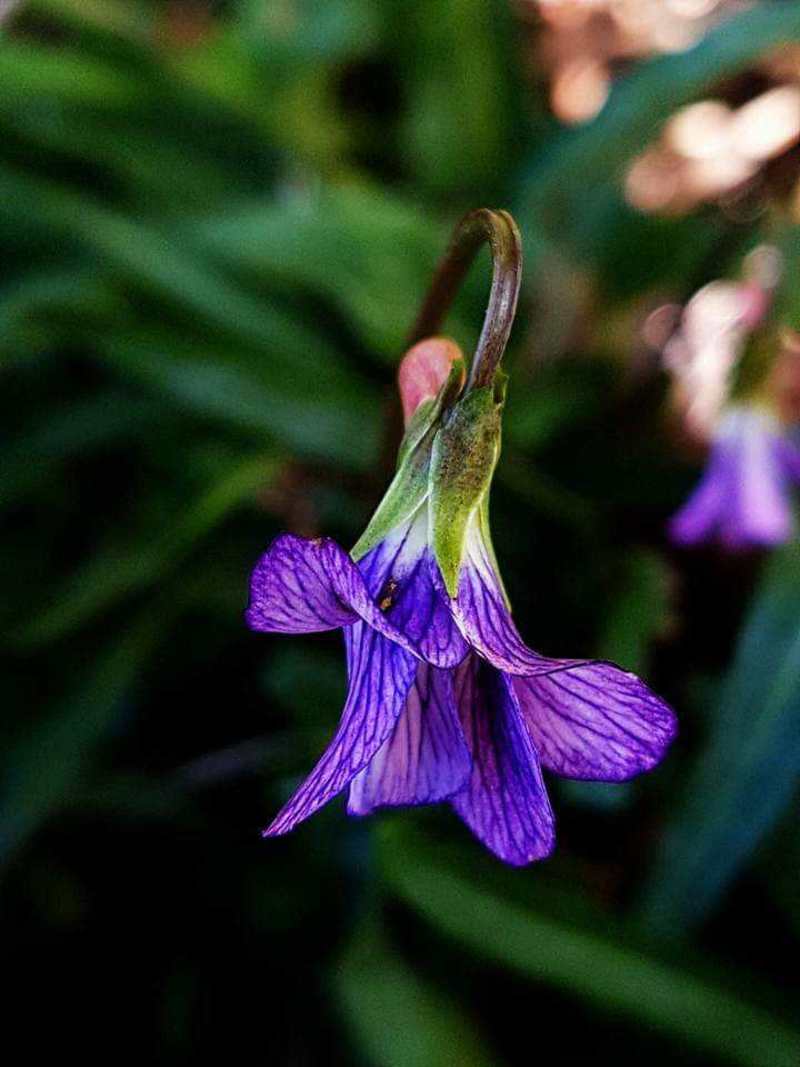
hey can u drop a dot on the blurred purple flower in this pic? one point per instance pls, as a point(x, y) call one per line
point(445, 701)
point(743, 497)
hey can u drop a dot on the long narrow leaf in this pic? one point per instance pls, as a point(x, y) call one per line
point(591, 965)
point(750, 769)
point(117, 573)
point(398, 1018)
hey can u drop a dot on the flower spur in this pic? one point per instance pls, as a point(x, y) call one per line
point(445, 702)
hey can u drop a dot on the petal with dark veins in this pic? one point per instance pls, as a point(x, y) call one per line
point(505, 803)
point(595, 722)
point(301, 586)
point(381, 674)
point(425, 759)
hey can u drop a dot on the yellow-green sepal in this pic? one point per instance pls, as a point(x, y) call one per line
point(430, 410)
point(463, 458)
point(410, 485)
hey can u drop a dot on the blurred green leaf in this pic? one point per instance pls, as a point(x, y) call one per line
point(157, 264)
point(312, 30)
point(638, 612)
point(125, 568)
point(43, 305)
point(120, 18)
point(62, 76)
point(397, 1018)
point(315, 698)
point(749, 771)
point(461, 94)
point(368, 253)
point(65, 433)
point(780, 867)
point(321, 419)
point(592, 964)
point(535, 415)
point(45, 765)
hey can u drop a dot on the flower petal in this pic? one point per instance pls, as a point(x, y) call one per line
point(595, 721)
point(505, 803)
point(301, 586)
point(399, 575)
point(702, 513)
point(787, 457)
point(423, 615)
point(762, 515)
point(743, 494)
point(485, 620)
point(381, 674)
point(425, 759)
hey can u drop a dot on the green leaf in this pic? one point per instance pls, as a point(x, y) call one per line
point(64, 77)
point(637, 613)
point(45, 767)
point(595, 965)
point(69, 431)
point(409, 487)
point(397, 1018)
point(749, 771)
point(455, 63)
point(334, 420)
point(368, 253)
point(160, 264)
point(122, 570)
point(117, 18)
point(43, 305)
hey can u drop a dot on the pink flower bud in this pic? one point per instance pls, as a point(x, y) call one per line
point(423, 370)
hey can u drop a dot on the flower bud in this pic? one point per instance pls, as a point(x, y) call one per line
point(424, 370)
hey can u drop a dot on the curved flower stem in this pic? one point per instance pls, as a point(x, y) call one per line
point(502, 234)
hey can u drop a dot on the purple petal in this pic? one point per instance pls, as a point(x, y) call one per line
point(787, 457)
point(742, 496)
point(425, 759)
point(505, 803)
point(381, 674)
point(423, 614)
point(760, 514)
point(485, 620)
point(398, 574)
point(301, 586)
point(595, 721)
point(698, 519)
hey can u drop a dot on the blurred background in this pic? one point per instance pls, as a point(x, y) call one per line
point(217, 222)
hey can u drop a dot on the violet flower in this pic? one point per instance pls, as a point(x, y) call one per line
point(445, 701)
point(743, 497)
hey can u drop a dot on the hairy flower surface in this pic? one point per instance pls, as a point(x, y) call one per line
point(742, 499)
point(445, 701)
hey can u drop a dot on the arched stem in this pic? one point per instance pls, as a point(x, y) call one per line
point(500, 231)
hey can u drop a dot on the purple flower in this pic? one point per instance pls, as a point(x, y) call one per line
point(743, 496)
point(445, 701)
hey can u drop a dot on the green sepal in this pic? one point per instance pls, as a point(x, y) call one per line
point(409, 487)
point(463, 459)
point(429, 411)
